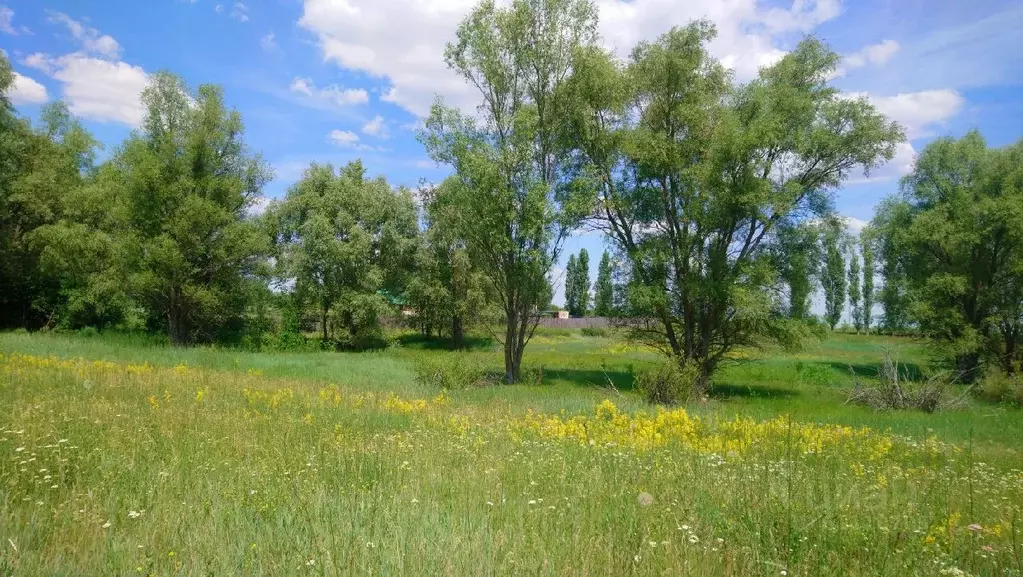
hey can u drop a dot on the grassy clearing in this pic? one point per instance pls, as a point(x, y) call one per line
point(122, 459)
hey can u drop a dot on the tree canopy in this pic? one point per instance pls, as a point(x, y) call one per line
point(955, 236)
point(695, 175)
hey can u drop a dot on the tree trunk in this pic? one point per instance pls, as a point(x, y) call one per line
point(176, 323)
point(967, 366)
point(457, 333)
point(1009, 358)
point(323, 321)
point(512, 357)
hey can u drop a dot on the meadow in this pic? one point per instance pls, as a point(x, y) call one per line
point(120, 456)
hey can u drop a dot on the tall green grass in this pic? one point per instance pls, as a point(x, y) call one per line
point(204, 461)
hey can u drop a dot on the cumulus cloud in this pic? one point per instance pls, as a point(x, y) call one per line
point(920, 112)
point(376, 127)
point(27, 90)
point(102, 90)
point(95, 83)
point(334, 95)
point(401, 42)
point(91, 40)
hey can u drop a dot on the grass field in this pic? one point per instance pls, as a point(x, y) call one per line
point(118, 458)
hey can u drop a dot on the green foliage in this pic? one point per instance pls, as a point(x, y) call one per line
point(1002, 388)
point(869, 271)
point(685, 166)
point(956, 234)
point(889, 229)
point(855, 309)
point(577, 284)
point(603, 297)
point(595, 332)
point(342, 238)
point(798, 256)
point(450, 371)
point(41, 168)
point(833, 279)
point(513, 212)
point(571, 289)
point(669, 383)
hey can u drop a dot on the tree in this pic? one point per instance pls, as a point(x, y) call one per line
point(855, 312)
point(958, 224)
point(342, 240)
point(571, 287)
point(603, 298)
point(833, 278)
point(182, 185)
point(799, 256)
point(867, 244)
point(889, 228)
point(695, 175)
point(40, 166)
point(577, 284)
point(513, 211)
point(446, 290)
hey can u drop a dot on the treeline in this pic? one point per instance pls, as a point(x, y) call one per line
point(715, 196)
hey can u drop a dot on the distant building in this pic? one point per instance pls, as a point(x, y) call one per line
point(554, 314)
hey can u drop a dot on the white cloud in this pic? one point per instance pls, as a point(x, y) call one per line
point(334, 95)
point(102, 90)
point(805, 15)
point(39, 61)
point(376, 127)
point(401, 42)
point(348, 139)
point(240, 12)
point(7, 21)
point(219, 8)
point(920, 112)
point(269, 42)
point(876, 54)
point(27, 91)
point(900, 165)
point(343, 138)
point(854, 225)
point(90, 38)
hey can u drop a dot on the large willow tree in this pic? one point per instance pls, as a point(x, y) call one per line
point(696, 174)
point(511, 213)
point(955, 234)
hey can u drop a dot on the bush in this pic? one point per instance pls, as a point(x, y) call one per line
point(451, 371)
point(88, 332)
point(895, 391)
point(669, 383)
point(596, 332)
point(1002, 388)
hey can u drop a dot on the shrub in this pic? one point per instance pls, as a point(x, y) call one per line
point(450, 371)
point(894, 391)
point(88, 332)
point(1002, 388)
point(669, 383)
point(596, 332)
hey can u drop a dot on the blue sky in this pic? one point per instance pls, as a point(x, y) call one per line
point(334, 80)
